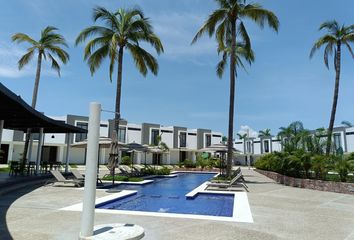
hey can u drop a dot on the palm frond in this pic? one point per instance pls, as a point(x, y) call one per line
point(55, 64)
point(210, 24)
point(25, 59)
point(96, 58)
point(21, 37)
point(260, 16)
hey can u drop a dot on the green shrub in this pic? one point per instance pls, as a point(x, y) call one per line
point(189, 163)
point(202, 162)
point(213, 163)
point(291, 166)
point(72, 165)
point(343, 166)
point(122, 178)
point(163, 171)
point(154, 171)
point(126, 161)
point(319, 166)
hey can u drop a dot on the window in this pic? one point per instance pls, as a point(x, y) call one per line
point(81, 136)
point(35, 136)
point(337, 140)
point(207, 140)
point(155, 137)
point(182, 139)
point(266, 146)
point(121, 134)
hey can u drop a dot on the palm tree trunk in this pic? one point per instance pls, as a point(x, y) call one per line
point(34, 102)
point(335, 99)
point(232, 100)
point(118, 98)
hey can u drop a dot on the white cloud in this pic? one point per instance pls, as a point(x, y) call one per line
point(244, 129)
point(9, 56)
point(176, 31)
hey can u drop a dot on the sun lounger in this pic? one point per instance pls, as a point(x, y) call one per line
point(78, 176)
point(61, 179)
point(237, 181)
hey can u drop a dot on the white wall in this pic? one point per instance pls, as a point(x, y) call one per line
point(257, 148)
point(239, 147)
point(350, 140)
point(133, 135)
point(7, 135)
point(192, 141)
point(276, 147)
point(58, 138)
point(167, 137)
point(216, 140)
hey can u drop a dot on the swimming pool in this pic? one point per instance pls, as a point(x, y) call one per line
point(167, 195)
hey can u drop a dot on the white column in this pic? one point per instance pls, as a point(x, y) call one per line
point(39, 150)
point(88, 211)
point(194, 158)
point(168, 158)
point(138, 158)
point(11, 151)
point(1, 129)
point(29, 154)
point(67, 154)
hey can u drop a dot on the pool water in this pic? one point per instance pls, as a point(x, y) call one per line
point(167, 195)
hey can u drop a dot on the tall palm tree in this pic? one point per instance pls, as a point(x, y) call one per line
point(265, 133)
point(121, 30)
point(333, 40)
point(49, 46)
point(124, 29)
point(227, 24)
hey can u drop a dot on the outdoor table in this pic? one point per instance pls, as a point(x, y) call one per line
point(118, 231)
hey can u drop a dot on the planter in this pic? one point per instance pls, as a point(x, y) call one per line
point(328, 186)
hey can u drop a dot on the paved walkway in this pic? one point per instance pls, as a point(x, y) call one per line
point(279, 212)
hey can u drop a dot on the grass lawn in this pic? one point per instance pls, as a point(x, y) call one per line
point(5, 169)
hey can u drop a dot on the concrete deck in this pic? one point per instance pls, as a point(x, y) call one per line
point(279, 212)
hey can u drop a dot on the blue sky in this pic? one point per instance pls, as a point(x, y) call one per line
point(282, 86)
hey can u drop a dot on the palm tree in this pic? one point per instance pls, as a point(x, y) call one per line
point(347, 124)
point(242, 136)
point(49, 46)
point(227, 24)
point(122, 30)
point(265, 133)
point(333, 40)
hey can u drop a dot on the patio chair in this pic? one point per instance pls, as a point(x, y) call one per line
point(237, 181)
point(61, 179)
point(78, 176)
point(14, 168)
point(125, 170)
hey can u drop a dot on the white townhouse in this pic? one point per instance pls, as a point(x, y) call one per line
point(183, 143)
point(343, 137)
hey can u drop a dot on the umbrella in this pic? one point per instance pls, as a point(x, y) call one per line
point(219, 148)
point(103, 142)
point(115, 146)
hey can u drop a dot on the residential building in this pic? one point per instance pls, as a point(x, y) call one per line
point(183, 143)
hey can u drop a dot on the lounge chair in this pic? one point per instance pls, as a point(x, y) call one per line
point(78, 176)
point(61, 179)
point(237, 181)
point(125, 170)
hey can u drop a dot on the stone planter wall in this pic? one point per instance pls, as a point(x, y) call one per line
point(338, 187)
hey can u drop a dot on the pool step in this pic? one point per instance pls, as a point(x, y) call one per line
point(173, 197)
point(155, 196)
